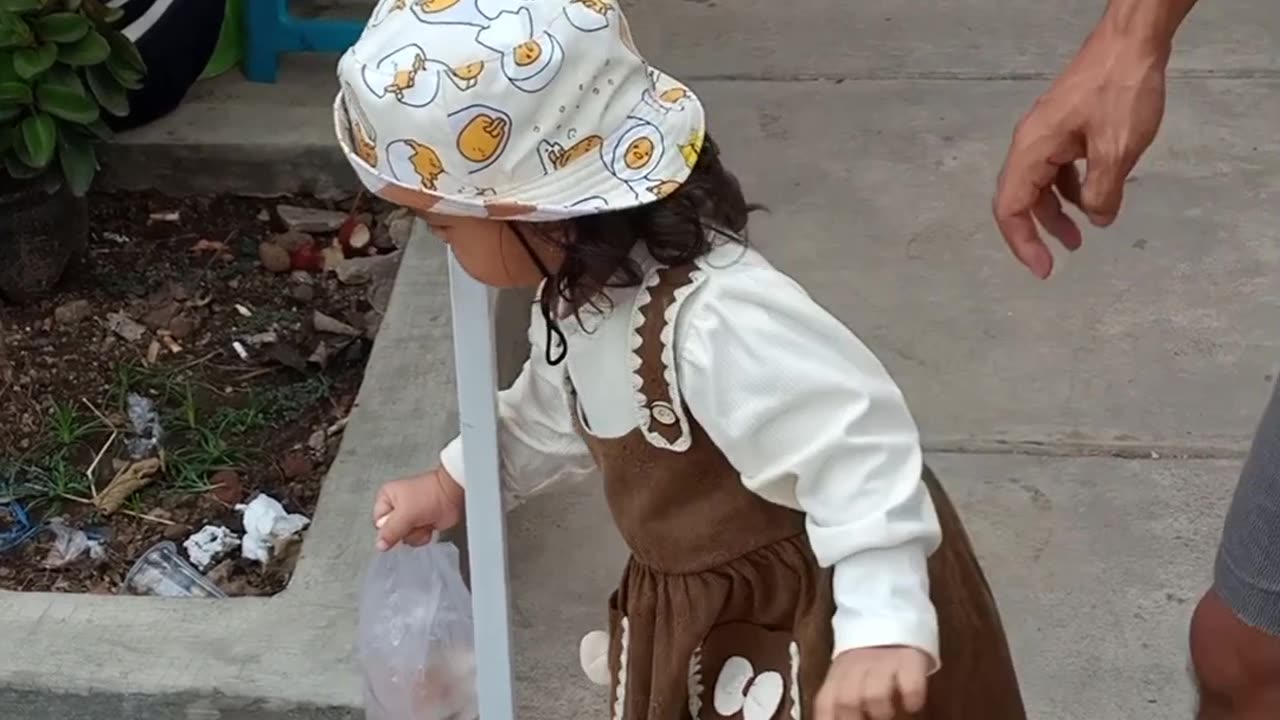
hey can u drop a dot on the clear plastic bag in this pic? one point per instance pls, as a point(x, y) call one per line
point(415, 636)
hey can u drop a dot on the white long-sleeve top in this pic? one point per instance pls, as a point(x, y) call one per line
point(801, 408)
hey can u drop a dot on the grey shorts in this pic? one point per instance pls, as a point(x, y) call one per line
point(1247, 571)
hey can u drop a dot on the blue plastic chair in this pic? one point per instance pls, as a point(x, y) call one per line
point(271, 31)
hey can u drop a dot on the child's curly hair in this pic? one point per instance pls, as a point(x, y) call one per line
point(706, 209)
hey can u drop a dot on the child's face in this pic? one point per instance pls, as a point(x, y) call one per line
point(490, 251)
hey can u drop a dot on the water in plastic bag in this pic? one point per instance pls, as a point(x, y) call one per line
point(416, 644)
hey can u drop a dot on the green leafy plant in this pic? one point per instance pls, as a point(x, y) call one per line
point(63, 65)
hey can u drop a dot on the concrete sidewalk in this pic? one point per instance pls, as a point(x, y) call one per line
point(1090, 427)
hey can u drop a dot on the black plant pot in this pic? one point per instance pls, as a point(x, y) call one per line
point(40, 235)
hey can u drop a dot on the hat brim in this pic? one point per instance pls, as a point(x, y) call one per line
point(642, 161)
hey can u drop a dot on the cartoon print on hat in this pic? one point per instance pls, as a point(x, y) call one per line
point(529, 62)
point(635, 152)
point(467, 76)
point(404, 74)
point(364, 139)
point(693, 148)
point(589, 15)
point(414, 164)
point(496, 116)
point(482, 134)
point(666, 97)
point(594, 202)
point(452, 12)
point(384, 10)
point(555, 156)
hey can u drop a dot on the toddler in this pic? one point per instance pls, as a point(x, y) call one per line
point(758, 460)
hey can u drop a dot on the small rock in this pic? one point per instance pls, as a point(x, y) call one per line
point(291, 240)
point(301, 277)
point(161, 513)
point(325, 324)
point(310, 220)
point(399, 228)
point(176, 532)
point(361, 270)
point(295, 465)
point(227, 487)
point(303, 293)
point(318, 440)
point(6, 572)
point(264, 216)
point(274, 258)
point(73, 312)
point(125, 326)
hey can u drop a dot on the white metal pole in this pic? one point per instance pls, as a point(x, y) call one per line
point(475, 361)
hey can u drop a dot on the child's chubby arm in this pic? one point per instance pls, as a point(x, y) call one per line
point(811, 419)
point(539, 448)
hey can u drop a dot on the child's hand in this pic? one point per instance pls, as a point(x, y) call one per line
point(867, 683)
point(412, 509)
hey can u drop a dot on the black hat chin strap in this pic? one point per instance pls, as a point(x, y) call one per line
point(555, 337)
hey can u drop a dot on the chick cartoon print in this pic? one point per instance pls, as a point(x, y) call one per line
point(466, 77)
point(589, 15)
point(415, 164)
point(404, 75)
point(632, 154)
point(482, 135)
point(449, 12)
point(530, 62)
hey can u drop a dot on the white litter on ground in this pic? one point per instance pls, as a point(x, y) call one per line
point(209, 545)
point(265, 523)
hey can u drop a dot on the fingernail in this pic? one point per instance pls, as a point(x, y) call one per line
point(381, 521)
point(381, 545)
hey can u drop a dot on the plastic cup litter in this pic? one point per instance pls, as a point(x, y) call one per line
point(163, 572)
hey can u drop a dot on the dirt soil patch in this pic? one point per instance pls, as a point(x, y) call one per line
point(207, 350)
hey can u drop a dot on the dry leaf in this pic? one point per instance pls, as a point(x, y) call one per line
point(128, 481)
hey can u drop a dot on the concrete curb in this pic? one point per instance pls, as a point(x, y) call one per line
point(82, 657)
point(231, 135)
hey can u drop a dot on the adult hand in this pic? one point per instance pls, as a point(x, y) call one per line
point(1105, 108)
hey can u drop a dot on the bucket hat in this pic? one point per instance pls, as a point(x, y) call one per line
point(535, 110)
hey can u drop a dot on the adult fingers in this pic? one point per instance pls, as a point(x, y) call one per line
point(1067, 183)
point(1025, 176)
point(1103, 189)
point(1048, 210)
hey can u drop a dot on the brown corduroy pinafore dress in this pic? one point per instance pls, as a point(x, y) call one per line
point(722, 587)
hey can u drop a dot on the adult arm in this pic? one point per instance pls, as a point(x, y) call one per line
point(1105, 108)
